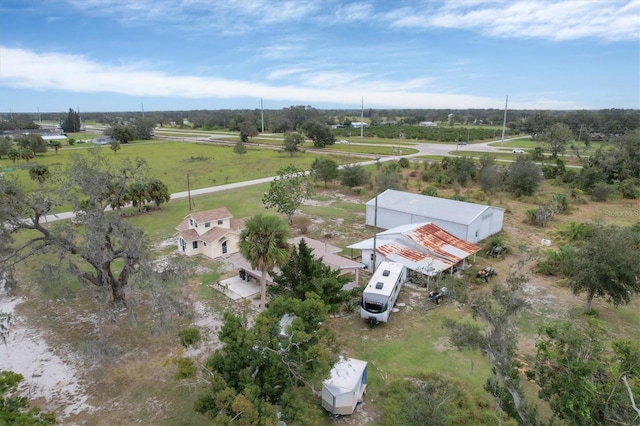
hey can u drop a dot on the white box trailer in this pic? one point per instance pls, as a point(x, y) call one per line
point(346, 386)
point(380, 295)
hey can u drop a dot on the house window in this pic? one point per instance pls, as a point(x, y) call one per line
point(224, 247)
point(195, 244)
point(190, 222)
point(220, 222)
point(207, 224)
point(204, 243)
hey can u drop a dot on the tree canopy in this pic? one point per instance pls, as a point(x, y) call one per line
point(324, 169)
point(99, 248)
point(71, 123)
point(319, 133)
point(607, 265)
point(305, 274)
point(292, 142)
point(584, 381)
point(288, 190)
point(267, 364)
point(523, 177)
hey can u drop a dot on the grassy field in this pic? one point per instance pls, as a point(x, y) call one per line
point(206, 164)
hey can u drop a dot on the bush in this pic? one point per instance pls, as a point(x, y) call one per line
point(557, 262)
point(524, 177)
point(403, 162)
point(303, 223)
point(629, 189)
point(430, 190)
point(186, 368)
point(561, 202)
point(189, 336)
point(459, 197)
point(601, 192)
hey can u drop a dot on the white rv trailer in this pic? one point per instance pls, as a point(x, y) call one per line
point(346, 387)
point(380, 295)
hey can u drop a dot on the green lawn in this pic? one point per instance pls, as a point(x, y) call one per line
point(206, 164)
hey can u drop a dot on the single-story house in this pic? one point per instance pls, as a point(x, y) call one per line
point(423, 247)
point(427, 124)
point(212, 233)
point(327, 252)
point(468, 221)
point(346, 386)
point(358, 124)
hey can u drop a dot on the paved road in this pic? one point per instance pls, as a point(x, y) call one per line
point(423, 149)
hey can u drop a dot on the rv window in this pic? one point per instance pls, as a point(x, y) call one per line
point(386, 273)
point(374, 307)
point(379, 285)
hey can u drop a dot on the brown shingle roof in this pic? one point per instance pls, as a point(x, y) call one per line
point(210, 215)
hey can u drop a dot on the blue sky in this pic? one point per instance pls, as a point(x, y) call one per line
point(121, 55)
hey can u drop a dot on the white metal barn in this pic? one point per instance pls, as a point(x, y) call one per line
point(468, 221)
point(346, 386)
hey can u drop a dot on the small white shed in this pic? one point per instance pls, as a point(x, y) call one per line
point(346, 387)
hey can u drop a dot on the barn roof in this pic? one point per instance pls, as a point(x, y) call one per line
point(421, 247)
point(432, 207)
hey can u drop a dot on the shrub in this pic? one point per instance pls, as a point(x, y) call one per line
point(442, 179)
point(303, 223)
point(629, 189)
point(578, 196)
point(557, 262)
point(459, 197)
point(561, 202)
point(601, 192)
point(186, 368)
point(403, 162)
point(189, 336)
point(430, 190)
point(523, 178)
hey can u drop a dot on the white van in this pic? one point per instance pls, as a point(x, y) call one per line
point(518, 151)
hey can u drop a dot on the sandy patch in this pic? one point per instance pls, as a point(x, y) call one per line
point(51, 377)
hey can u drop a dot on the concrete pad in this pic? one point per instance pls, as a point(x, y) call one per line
point(237, 288)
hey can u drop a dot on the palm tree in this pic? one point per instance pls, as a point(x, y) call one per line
point(39, 174)
point(263, 242)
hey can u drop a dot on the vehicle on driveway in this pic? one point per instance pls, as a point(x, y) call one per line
point(518, 151)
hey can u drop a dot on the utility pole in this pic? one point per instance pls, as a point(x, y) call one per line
point(142, 104)
point(361, 117)
point(504, 121)
point(262, 114)
point(189, 191)
point(375, 233)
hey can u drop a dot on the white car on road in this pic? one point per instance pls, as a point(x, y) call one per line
point(518, 151)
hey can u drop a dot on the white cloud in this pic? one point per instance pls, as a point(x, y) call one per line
point(73, 73)
point(610, 20)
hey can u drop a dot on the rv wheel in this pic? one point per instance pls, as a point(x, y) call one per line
point(372, 322)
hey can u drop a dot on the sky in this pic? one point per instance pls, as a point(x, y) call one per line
point(129, 55)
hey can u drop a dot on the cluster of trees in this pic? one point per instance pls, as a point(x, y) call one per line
point(98, 247)
point(268, 364)
point(72, 123)
point(586, 379)
point(140, 128)
point(584, 125)
point(26, 147)
point(523, 177)
point(438, 133)
point(599, 260)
